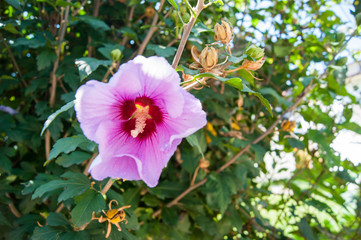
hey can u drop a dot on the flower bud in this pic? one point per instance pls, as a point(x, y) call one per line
point(223, 33)
point(255, 52)
point(204, 164)
point(116, 55)
point(208, 58)
point(251, 65)
point(149, 12)
point(288, 125)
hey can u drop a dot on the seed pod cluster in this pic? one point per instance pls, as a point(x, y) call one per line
point(208, 58)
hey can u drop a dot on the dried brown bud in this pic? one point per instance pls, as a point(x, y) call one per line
point(208, 58)
point(251, 65)
point(204, 164)
point(223, 33)
point(149, 12)
point(288, 125)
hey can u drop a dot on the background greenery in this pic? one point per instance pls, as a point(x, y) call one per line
point(49, 48)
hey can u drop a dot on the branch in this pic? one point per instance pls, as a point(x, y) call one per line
point(187, 30)
point(269, 130)
point(152, 29)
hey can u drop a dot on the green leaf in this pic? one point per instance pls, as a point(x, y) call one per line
point(46, 232)
point(45, 59)
point(87, 65)
point(174, 4)
point(77, 157)
point(81, 235)
point(168, 189)
point(276, 95)
point(76, 184)
point(57, 219)
point(15, 3)
point(199, 28)
point(87, 203)
point(10, 28)
point(93, 22)
point(295, 143)
point(162, 51)
point(52, 116)
point(358, 19)
point(306, 230)
point(236, 83)
point(198, 140)
point(108, 48)
point(67, 145)
point(235, 59)
point(48, 187)
point(261, 98)
point(169, 216)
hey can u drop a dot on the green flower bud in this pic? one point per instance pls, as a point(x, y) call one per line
point(116, 55)
point(340, 37)
point(255, 52)
point(341, 61)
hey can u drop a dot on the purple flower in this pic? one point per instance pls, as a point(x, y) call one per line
point(138, 119)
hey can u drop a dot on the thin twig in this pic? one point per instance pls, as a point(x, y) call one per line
point(152, 29)
point(12, 208)
point(129, 20)
point(186, 31)
point(87, 166)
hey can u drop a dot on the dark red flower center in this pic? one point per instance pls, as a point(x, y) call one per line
point(141, 116)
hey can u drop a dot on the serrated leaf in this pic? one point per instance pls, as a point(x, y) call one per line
point(76, 184)
point(52, 116)
point(81, 235)
point(48, 187)
point(87, 203)
point(14, 3)
point(261, 98)
point(66, 160)
point(306, 230)
point(162, 51)
point(87, 65)
point(94, 23)
point(66, 145)
point(169, 216)
point(57, 219)
point(46, 232)
point(198, 140)
point(45, 59)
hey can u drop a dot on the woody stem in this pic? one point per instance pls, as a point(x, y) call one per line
point(186, 31)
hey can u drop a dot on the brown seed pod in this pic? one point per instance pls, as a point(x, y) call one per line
point(223, 33)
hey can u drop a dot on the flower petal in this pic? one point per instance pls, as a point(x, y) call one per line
point(95, 102)
point(129, 158)
point(161, 82)
point(192, 119)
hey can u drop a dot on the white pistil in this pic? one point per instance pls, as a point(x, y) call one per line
point(141, 115)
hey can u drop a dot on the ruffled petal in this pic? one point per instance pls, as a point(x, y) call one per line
point(161, 82)
point(192, 119)
point(95, 102)
point(125, 157)
point(126, 80)
point(117, 167)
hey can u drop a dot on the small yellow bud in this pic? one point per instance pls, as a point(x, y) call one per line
point(208, 58)
point(223, 33)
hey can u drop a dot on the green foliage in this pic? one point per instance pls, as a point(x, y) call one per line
point(259, 196)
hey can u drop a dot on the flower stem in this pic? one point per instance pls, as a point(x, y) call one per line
point(187, 30)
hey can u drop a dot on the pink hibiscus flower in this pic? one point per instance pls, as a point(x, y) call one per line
point(138, 119)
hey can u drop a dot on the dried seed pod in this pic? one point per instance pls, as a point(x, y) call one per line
point(223, 33)
point(251, 65)
point(208, 58)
